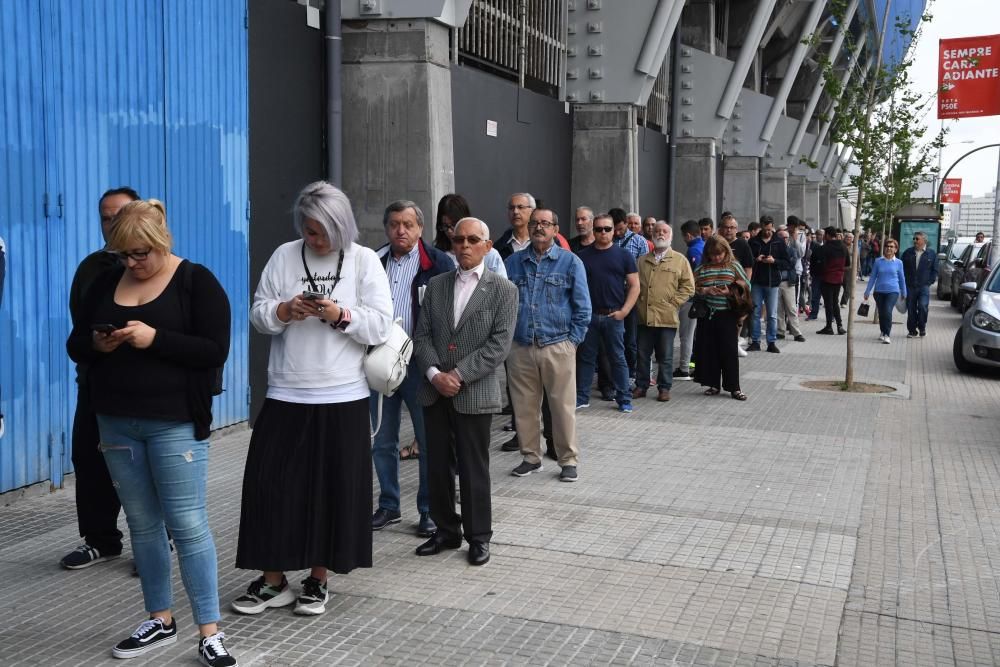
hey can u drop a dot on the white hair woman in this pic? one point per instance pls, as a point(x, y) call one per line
point(307, 488)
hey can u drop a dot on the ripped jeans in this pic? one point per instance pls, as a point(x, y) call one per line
point(160, 472)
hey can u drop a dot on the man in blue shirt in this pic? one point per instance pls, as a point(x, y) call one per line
point(609, 268)
point(636, 246)
point(920, 269)
point(552, 319)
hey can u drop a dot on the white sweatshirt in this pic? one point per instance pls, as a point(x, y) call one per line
point(309, 354)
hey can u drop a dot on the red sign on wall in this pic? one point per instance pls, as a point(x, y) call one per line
point(969, 77)
point(951, 191)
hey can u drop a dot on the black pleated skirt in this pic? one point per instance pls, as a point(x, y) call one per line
point(307, 489)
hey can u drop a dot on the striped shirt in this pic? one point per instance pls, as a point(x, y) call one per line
point(713, 275)
point(401, 273)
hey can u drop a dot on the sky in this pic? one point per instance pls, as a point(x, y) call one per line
point(959, 18)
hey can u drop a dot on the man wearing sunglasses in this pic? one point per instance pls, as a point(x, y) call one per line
point(97, 504)
point(552, 319)
point(920, 271)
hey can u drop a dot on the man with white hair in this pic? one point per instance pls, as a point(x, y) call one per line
point(666, 282)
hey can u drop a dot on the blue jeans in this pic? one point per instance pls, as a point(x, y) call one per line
point(385, 449)
point(917, 301)
point(815, 294)
point(884, 303)
point(160, 471)
point(606, 329)
point(759, 294)
point(660, 339)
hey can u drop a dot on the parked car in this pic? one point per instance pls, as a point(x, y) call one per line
point(976, 272)
point(959, 267)
point(977, 341)
point(946, 264)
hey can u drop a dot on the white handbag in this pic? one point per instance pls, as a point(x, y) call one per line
point(385, 364)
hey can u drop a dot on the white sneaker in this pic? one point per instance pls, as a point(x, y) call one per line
point(312, 600)
point(885, 339)
point(260, 596)
point(740, 351)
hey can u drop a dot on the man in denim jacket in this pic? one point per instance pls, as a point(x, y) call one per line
point(552, 319)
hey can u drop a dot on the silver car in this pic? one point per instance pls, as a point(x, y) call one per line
point(977, 341)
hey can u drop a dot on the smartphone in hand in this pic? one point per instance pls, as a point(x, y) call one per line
point(309, 295)
point(103, 328)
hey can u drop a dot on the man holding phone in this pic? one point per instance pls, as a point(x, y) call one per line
point(97, 504)
point(770, 261)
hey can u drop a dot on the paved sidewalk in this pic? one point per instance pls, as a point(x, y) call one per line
point(797, 528)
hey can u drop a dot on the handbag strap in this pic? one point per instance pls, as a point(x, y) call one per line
point(309, 275)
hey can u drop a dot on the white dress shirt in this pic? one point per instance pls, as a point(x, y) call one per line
point(465, 285)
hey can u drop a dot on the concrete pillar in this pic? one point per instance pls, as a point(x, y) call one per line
point(835, 208)
point(824, 205)
point(774, 193)
point(397, 119)
point(810, 204)
point(797, 197)
point(605, 165)
point(697, 183)
point(741, 187)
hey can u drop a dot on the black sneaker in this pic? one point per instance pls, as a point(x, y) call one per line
point(781, 336)
point(525, 469)
point(568, 474)
point(771, 347)
point(151, 634)
point(260, 596)
point(512, 445)
point(384, 517)
point(754, 346)
point(85, 556)
point(800, 339)
point(212, 652)
point(681, 375)
point(312, 599)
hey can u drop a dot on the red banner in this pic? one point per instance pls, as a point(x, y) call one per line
point(969, 77)
point(951, 191)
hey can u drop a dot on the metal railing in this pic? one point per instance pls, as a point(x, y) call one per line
point(524, 40)
point(655, 114)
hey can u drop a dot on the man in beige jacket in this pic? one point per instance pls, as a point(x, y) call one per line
point(665, 283)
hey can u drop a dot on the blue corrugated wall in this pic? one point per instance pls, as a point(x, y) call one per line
point(97, 94)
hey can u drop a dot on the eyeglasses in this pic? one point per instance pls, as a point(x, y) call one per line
point(139, 256)
point(471, 240)
point(517, 207)
point(604, 230)
point(544, 224)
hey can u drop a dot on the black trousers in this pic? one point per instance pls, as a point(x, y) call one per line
point(463, 441)
point(831, 303)
point(715, 347)
point(97, 504)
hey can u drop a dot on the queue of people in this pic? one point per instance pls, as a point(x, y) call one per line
point(536, 313)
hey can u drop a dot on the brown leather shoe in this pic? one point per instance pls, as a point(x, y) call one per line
point(663, 396)
point(639, 393)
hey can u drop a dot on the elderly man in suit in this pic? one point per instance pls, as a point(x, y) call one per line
point(463, 335)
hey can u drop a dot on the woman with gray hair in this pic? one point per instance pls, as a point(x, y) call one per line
point(307, 487)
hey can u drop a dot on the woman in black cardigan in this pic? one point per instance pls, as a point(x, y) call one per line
point(153, 332)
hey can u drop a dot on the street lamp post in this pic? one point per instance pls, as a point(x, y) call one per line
point(995, 252)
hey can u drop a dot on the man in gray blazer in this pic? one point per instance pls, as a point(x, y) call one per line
point(462, 337)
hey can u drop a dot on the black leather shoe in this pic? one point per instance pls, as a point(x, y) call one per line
point(512, 445)
point(437, 544)
point(479, 553)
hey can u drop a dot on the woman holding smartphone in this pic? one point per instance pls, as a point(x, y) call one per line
point(307, 488)
point(153, 331)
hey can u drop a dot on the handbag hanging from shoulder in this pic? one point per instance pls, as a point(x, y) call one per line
point(699, 307)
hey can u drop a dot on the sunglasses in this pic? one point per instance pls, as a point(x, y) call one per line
point(459, 240)
point(604, 230)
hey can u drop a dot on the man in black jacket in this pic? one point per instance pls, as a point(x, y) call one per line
point(770, 260)
point(410, 264)
point(97, 504)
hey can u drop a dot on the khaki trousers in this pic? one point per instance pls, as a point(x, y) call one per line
point(552, 369)
point(788, 313)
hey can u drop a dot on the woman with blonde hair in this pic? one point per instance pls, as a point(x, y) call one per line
point(307, 487)
point(154, 331)
point(717, 280)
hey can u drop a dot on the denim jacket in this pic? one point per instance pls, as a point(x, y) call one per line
point(554, 301)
